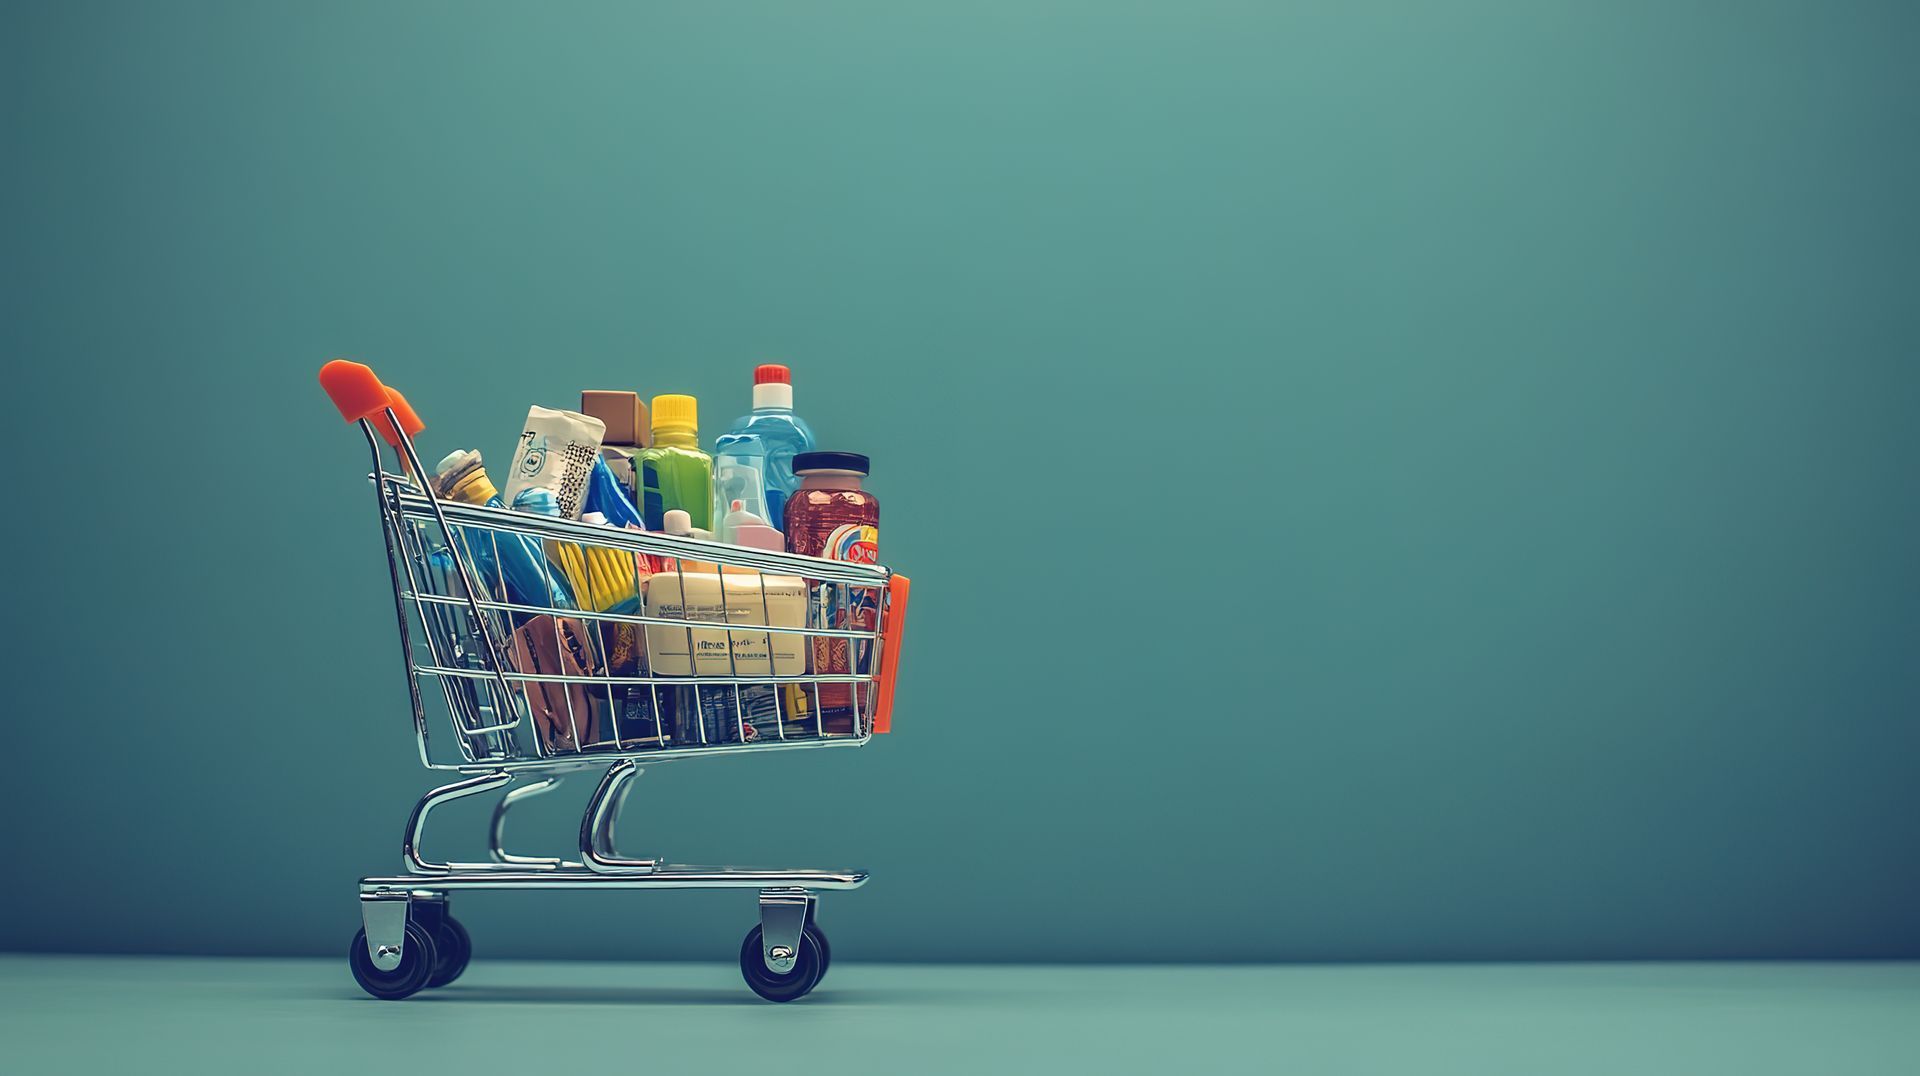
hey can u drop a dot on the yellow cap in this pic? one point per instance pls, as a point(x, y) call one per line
point(473, 488)
point(675, 412)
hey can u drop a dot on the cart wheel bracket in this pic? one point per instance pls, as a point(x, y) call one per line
point(783, 915)
point(385, 920)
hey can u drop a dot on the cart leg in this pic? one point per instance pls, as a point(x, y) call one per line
point(417, 825)
point(784, 913)
point(497, 831)
point(596, 825)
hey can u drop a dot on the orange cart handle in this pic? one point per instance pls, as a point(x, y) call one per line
point(409, 420)
point(891, 633)
point(359, 394)
point(354, 389)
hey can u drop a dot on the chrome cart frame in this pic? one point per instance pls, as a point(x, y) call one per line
point(471, 639)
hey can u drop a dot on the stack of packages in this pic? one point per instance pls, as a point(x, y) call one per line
point(618, 463)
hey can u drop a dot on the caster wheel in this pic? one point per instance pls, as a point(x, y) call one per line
point(826, 953)
point(452, 948)
point(772, 985)
point(416, 965)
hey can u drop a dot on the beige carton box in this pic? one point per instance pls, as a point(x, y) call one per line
point(751, 598)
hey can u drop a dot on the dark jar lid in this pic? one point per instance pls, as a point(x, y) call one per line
point(831, 461)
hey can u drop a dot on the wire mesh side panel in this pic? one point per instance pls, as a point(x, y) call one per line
point(617, 643)
point(449, 640)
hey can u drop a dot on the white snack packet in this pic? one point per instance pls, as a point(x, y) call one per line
point(556, 450)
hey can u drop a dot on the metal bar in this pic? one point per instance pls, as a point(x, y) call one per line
point(563, 678)
point(766, 615)
point(413, 550)
point(497, 828)
point(399, 603)
point(560, 655)
point(630, 618)
point(814, 652)
point(523, 710)
point(469, 578)
point(417, 823)
point(648, 755)
point(665, 877)
point(646, 651)
point(639, 654)
point(664, 545)
point(596, 824)
point(733, 663)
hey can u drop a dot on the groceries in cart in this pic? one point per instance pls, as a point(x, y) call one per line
point(658, 609)
point(517, 562)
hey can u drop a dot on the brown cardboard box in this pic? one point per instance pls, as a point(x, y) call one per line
point(629, 429)
point(625, 414)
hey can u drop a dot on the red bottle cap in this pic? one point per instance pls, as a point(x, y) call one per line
point(772, 373)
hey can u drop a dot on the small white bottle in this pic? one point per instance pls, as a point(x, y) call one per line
point(679, 524)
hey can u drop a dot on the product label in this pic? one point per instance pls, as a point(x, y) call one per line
point(851, 606)
point(855, 543)
point(556, 451)
point(702, 648)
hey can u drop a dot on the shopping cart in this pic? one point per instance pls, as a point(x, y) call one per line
point(537, 634)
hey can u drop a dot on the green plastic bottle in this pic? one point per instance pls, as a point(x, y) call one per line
point(674, 473)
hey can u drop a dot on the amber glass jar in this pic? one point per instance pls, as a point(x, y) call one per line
point(831, 516)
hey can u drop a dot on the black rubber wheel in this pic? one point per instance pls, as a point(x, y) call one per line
point(772, 985)
point(416, 965)
point(452, 948)
point(826, 953)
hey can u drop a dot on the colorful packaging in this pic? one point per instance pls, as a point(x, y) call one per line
point(607, 581)
point(513, 562)
point(853, 607)
point(557, 450)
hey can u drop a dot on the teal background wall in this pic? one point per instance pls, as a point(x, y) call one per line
point(1384, 481)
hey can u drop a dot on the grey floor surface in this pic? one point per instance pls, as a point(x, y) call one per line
point(211, 1016)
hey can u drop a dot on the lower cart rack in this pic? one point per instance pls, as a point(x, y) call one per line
point(409, 940)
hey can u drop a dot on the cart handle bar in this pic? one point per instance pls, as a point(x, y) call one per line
point(361, 397)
